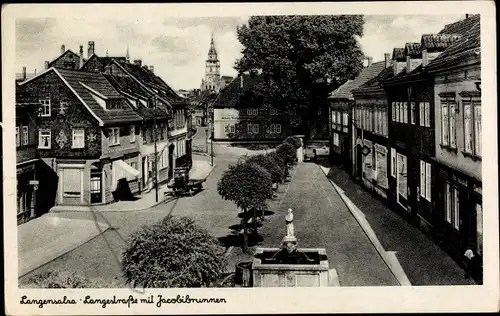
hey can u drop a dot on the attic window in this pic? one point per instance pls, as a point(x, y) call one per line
point(113, 104)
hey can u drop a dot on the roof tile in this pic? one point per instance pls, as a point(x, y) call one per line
point(368, 73)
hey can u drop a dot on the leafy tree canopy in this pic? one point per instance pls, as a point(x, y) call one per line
point(272, 166)
point(287, 152)
point(301, 59)
point(246, 184)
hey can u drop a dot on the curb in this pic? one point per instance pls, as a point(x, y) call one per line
point(389, 257)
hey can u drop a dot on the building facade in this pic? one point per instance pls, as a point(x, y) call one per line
point(370, 136)
point(87, 134)
point(238, 117)
point(458, 138)
point(36, 183)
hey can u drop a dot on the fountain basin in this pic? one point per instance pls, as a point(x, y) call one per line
point(306, 268)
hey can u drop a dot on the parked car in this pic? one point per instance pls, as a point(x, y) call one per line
point(314, 150)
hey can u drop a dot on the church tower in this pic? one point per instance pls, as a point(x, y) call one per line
point(212, 69)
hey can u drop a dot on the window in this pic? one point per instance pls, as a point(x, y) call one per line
point(402, 176)
point(448, 130)
point(479, 228)
point(405, 112)
point(413, 113)
point(44, 139)
point(336, 140)
point(18, 137)
point(25, 135)
point(444, 123)
point(249, 111)
point(381, 166)
point(393, 111)
point(472, 127)
point(253, 128)
point(421, 107)
point(132, 134)
point(232, 128)
point(78, 138)
point(393, 162)
point(427, 112)
point(398, 112)
point(114, 136)
point(45, 109)
point(425, 180)
point(452, 210)
point(273, 128)
point(255, 111)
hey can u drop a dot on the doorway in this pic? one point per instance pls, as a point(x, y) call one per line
point(95, 185)
point(171, 166)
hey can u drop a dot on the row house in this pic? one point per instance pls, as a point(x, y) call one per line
point(341, 104)
point(87, 134)
point(239, 116)
point(457, 165)
point(36, 183)
point(370, 132)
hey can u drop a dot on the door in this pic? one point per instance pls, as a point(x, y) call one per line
point(96, 186)
point(171, 161)
point(72, 185)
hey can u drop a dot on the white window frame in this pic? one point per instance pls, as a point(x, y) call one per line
point(421, 107)
point(445, 128)
point(452, 206)
point(249, 111)
point(26, 136)
point(80, 133)
point(278, 128)
point(448, 106)
point(427, 111)
point(114, 136)
point(425, 180)
point(473, 137)
point(255, 112)
point(273, 129)
point(46, 108)
point(18, 137)
point(413, 113)
point(132, 133)
point(336, 139)
point(405, 112)
point(40, 132)
point(393, 118)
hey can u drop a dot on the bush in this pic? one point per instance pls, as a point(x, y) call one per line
point(173, 253)
point(294, 141)
point(287, 152)
point(270, 164)
point(66, 280)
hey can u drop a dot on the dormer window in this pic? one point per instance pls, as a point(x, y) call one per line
point(113, 104)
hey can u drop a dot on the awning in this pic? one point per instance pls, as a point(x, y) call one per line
point(123, 170)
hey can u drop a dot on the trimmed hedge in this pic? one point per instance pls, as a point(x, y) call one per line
point(287, 152)
point(294, 141)
point(270, 164)
point(173, 253)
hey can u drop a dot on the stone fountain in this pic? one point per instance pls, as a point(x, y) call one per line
point(291, 266)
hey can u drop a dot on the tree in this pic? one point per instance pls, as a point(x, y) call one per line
point(294, 141)
point(287, 152)
point(271, 166)
point(280, 162)
point(301, 59)
point(174, 252)
point(249, 186)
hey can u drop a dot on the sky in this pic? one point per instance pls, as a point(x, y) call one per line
point(177, 46)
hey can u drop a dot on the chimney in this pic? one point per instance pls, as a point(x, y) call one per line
point(369, 61)
point(63, 49)
point(152, 69)
point(81, 56)
point(425, 58)
point(46, 64)
point(466, 15)
point(24, 73)
point(387, 58)
point(90, 50)
point(138, 62)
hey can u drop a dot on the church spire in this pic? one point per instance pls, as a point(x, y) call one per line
point(212, 52)
point(127, 56)
point(107, 55)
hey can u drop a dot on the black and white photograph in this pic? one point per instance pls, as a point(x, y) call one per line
point(209, 158)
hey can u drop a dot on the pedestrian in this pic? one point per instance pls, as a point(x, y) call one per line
point(469, 260)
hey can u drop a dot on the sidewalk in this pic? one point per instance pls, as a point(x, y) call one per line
point(48, 237)
point(421, 259)
point(200, 170)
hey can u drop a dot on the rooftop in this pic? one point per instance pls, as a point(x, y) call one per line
point(345, 90)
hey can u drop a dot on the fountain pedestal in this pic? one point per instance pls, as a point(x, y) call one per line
point(269, 271)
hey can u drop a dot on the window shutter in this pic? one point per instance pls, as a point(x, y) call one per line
point(427, 106)
point(421, 107)
point(477, 129)
point(467, 127)
point(444, 123)
point(422, 178)
point(428, 180)
point(72, 180)
point(452, 125)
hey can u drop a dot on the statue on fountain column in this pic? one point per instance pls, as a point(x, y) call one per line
point(290, 232)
